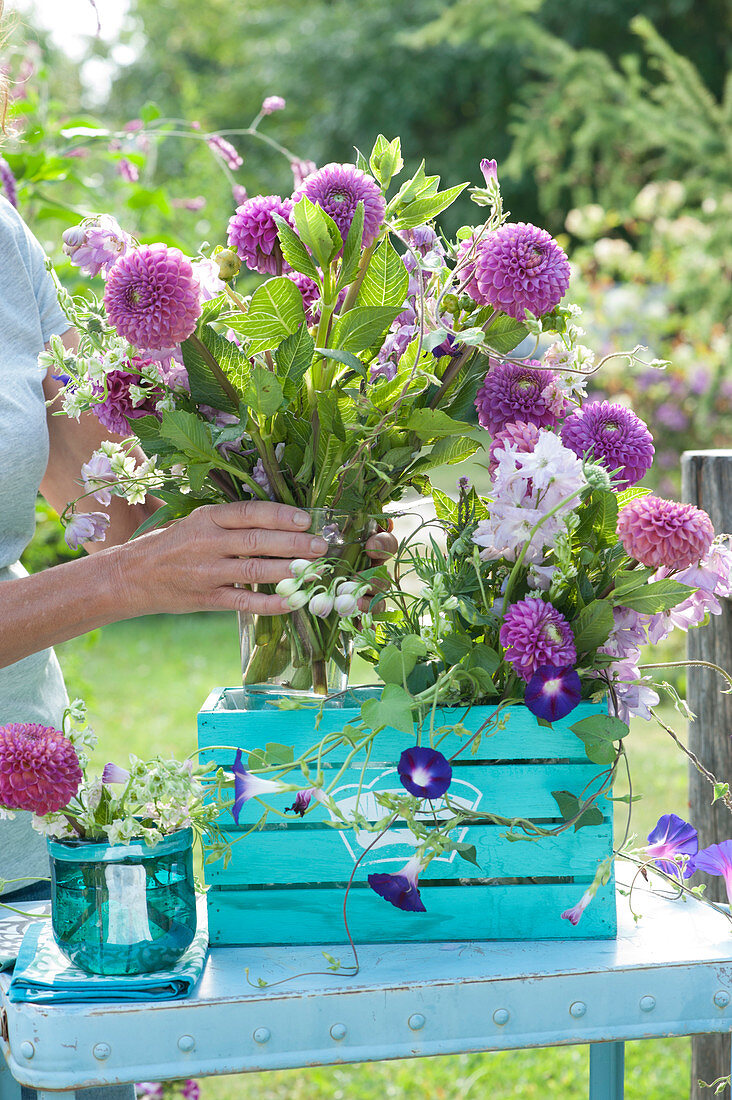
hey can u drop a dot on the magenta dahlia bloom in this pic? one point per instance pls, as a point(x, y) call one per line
point(310, 294)
point(535, 634)
point(613, 436)
point(672, 837)
point(39, 768)
point(338, 189)
point(152, 297)
point(519, 267)
point(518, 436)
point(660, 532)
point(512, 393)
point(118, 408)
point(253, 233)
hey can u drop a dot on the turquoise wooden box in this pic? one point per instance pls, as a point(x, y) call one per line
point(285, 883)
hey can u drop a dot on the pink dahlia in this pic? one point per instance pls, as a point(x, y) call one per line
point(660, 532)
point(535, 634)
point(613, 436)
point(517, 436)
point(511, 392)
point(118, 406)
point(152, 297)
point(338, 189)
point(253, 233)
point(519, 267)
point(310, 294)
point(39, 768)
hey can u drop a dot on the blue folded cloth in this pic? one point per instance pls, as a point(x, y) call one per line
point(14, 923)
point(42, 975)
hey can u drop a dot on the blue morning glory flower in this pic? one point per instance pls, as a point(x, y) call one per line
point(424, 772)
point(552, 693)
point(248, 786)
point(672, 836)
point(717, 860)
point(401, 888)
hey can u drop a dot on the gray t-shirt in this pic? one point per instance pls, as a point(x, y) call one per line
point(31, 690)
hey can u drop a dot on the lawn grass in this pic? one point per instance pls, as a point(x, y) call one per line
point(144, 681)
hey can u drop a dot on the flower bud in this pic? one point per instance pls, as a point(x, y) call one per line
point(297, 600)
point(228, 262)
point(346, 605)
point(287, 587)
point(299, 566)
point(597, 476)
point(346, 588)
point(321, 604)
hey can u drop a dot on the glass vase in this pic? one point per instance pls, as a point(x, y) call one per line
point(301, 652)
point(123, 908)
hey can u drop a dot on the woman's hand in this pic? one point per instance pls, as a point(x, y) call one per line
point(198, 563)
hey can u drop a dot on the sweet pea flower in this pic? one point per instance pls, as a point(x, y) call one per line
point(86, 527)
point(114, 774)
point(248, 786)
point(673, 837)
point(424, 772)
point(401, 888)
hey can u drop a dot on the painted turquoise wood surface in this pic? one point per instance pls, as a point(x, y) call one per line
point(285, 882)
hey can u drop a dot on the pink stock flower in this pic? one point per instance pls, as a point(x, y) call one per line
point(152, 297)
point(659, 532)
point(39, 768)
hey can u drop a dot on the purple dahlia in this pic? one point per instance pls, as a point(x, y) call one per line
point(659, 532)
point(118, 407)
point(253, 233)
point(535, 634)
point(152, 297)
point(310, 294)
point(338, 189)
point(519, 267)
point(512, 393)
point(39, 768)
point(613, 436)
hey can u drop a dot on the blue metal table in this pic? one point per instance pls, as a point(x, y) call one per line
point(669, 975)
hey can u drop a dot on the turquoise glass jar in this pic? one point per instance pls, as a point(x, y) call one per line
point(123, 908)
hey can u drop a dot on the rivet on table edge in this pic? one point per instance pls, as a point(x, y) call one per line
point(721, 998)
point(647, 1003)
point(501, 1016)
point(186, 1043)
point(416, 1021)
point(102, 1051)
point(338, 1031)
point(577, 1009)
point(262, 1035)
point(27, 1049)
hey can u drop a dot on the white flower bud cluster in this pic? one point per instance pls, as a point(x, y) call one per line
point(307, 586)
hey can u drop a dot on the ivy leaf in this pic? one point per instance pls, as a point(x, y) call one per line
point(598, 733)
point(568, 804)
point(394, 709)
point(397, 661)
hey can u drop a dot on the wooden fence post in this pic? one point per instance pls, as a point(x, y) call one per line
point(706, 481)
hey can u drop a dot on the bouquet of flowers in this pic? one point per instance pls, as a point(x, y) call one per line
point(347, 375)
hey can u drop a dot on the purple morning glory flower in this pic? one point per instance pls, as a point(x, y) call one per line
point(424, 772)
point(717, 860)
point(401, 889)
point(552, 693)
point(673, 837)
point(573, 915)
point(248, 786)
point(301, 803)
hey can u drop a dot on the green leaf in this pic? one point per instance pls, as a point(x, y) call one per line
point(208, 387)
point(649, 599)
point(631, 493)
point(361, 327)
point(599, 732)
point(275, 311)
point(397, 660)
point(483, 657)
point(445, 452)
point(346, 357)
point(386, 280)
point(294, 250)
point(189, 435)
point(593, 625)
point(721, 790)
point(279, 754)
point(317, 231)
point(433, 423)
point(386, 159)
point(393, 709)
point(454, 647)
point(446, 508)
point(352, 249)
point(182, 506)
point(147, 430)
point(568, 804)
point(505, 333)
point(425, 209)
point(293, 357)
point(467, 852)
point(264, 395)
point(330, 416)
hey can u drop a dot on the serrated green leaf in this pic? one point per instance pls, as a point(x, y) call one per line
point(275, 311)
point(505, 333)
point(264, 395)
point(204, 376)
point(352, 249)
point(386, 280)
point(317, 231)
point(593, 625)
point(346, 357)
point(445, 452)
point(649, 599)
point(360, 328)
point(423, 210)
point(329, 415)
point(188, 434)
point(433, 423)
point(294, 250)
point(293, 357)
point(446, 508)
